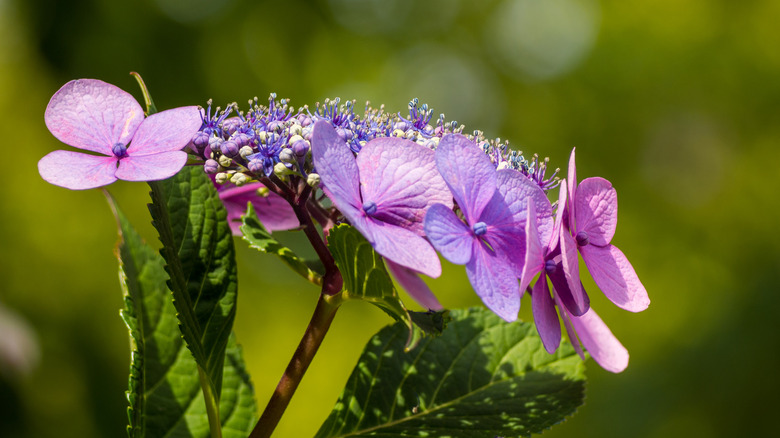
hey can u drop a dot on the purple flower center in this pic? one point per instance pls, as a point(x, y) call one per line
point(550, 267)
point(119, 150)
point(582, 238)
point(480, 228)
point(370, 208)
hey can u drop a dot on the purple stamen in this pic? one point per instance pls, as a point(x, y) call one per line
point(480, 228)
point(582, 238)
point(370, 208)
point(550, 267)
point(119, 150)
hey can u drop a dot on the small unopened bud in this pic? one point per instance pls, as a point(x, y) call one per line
point(263, 192)
point(256, 166)
point(313, 180)
point(246, 151)
point(300, 148)
point(239, 179)
point(287, 156)
point(293, 139)
point(221, 178)
point(225, 161)
point(200, 140)
point(241, 139)
point(229, 148)
point(398, 133)
point(502, 165)
point(282, 171)
point(211, 167)
point(215, 143)
point(262, 136)
point(296, 129)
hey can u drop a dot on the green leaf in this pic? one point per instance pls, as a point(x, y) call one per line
point(260, 239)
point(164, 394)
point(200, 260)
point(482, 378)
point(366, 279)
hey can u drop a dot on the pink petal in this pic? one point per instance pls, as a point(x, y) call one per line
point(602, 345)
point(77, 171)
point(151, 167)
point(563, 290)
point(413, 285)
point(166, 131)
point(468, 173)
point(545, 316)
point(571, 177)
point(400, 245)
point(448, 234)
point(566, 317)
point(400, 176)
point(93, 115)
point(516, 188)
point(570, 262)
point(534, 255)
point(595, 209)
point(615, 276)
point(493, 279)
point(561, 218)
point(273, 211)
point(334, 162)
point(504, 234)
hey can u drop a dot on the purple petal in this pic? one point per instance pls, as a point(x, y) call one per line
point(602, 345)
point(413, 285)
point(493, 279)
point(151, 167)
point(77, 171)
point(615, 276)
point(504, 234)
point(545, 316)
point(566, 317)
point(516, 188)
point(468, 173)
point(273, 211)
point(570, 262)
point(448, 234)
point(334, 162)
point(166, 131)
point(595, 210)
point(565, 294)
point(400, 176)
point(561, 217)
point(400, 245)
point(572, 180)
point(534, 253)
point(93, 115)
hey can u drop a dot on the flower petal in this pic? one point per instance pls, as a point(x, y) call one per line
point(493, 279)
point(334, 162)
point(77, 171)
point(413, 285)
point(595, 208)
point(566, 317)
point(571, 177)
point(516, 188)
point(534, 253)
point(561, 217)
point(400, 176)
point(273, 211)
point(166, 131)
point(545, 316)
point(151, 167)
point(400, 245)
point(570, 262)
point(468, 173)
point(615, 276)
point(93, 115)
point(602, 345)
point(448, 234)
point(564, 292)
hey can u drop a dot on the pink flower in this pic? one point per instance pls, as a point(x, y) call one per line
point(274, 212)
point(95, 116)
point(588, 225)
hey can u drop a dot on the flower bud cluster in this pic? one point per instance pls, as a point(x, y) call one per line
point(275, 139)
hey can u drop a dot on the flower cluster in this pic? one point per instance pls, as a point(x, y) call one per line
point(412, 185)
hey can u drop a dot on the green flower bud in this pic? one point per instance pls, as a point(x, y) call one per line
point(313, 180)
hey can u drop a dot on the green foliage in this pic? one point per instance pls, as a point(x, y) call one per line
point(164, 392)
point(259, 238)
point(482, 377)
point(366, 279)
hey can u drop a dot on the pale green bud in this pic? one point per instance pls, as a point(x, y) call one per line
point(313, 180)
point(221, 178)
point(225, 161)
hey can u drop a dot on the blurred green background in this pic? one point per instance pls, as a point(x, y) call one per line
point(676, 102)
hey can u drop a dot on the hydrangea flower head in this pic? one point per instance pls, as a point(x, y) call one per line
point(99, 117)
point(589, 223)
point(491, 242)
point(384, 193)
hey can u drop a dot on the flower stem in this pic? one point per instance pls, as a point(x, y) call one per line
point(212, 405)
point(304, 354)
